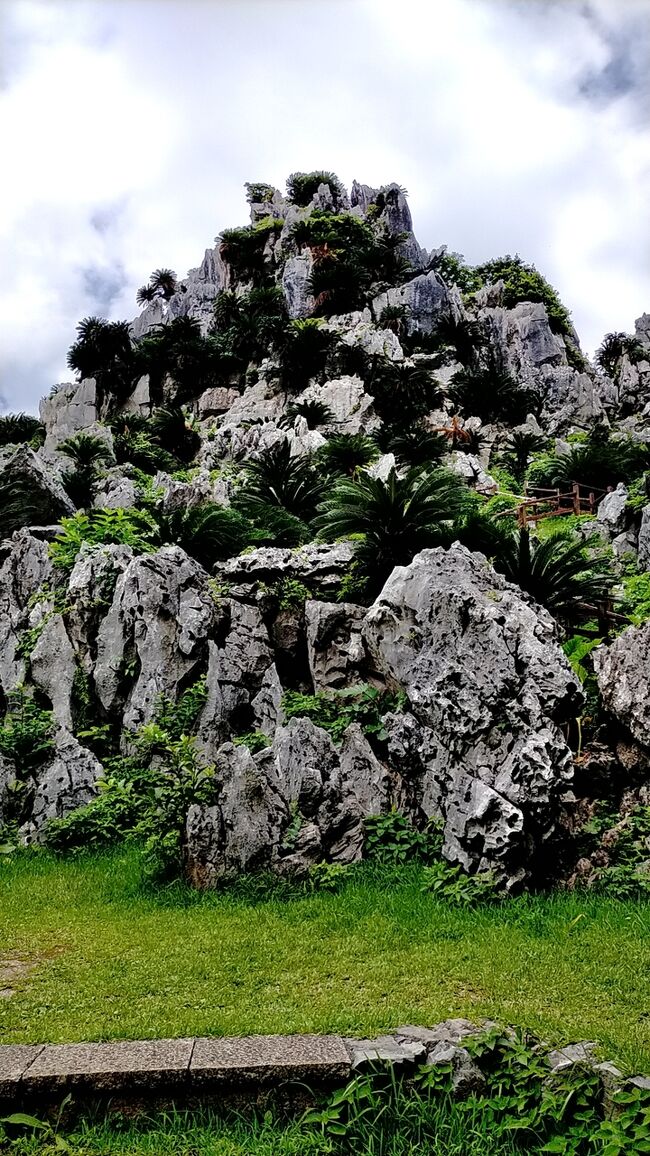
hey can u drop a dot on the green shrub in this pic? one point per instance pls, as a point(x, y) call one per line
point(302, 186)
point(26, 732)
point(335, 710)
point(16, 428)
point(392, 839)
point(635, 598)
point(255, 741)
point(523, 283)
point(449, 882)
point(133, 528)
point(258, 192)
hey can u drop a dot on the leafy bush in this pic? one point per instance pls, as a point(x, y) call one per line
point(398, 517)
point(133, 528)
point(21, 427)
point(635, 598)
point(335, 710)
point(278, 479)
point(600, 461)
point(523, 283)
point(303, 349)
point(449, 882)
point(302, 186)
point(244, 248)
point(392, 839)
point(258, 192)
point(207, 532)
point(103, 350)
point(315, 413)
point(347, 453)
point(492, 395)
point(615, 346)
point(26, 731)
point(88, 453)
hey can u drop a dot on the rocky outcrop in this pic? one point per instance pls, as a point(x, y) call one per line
point(25, 569)
point(236, 672)
point(351, 406)
point(41, 486)
point(488, 685)
point(427, 300)
point(623, 673)
point(67, 782)
point(154, 637)
point(69, 409)
point(334, 644)
point(320, 566)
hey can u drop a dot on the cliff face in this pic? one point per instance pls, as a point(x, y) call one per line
point(320, 330)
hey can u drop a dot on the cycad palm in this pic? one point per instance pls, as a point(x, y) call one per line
point(346, 453)
point(398, 517)
point(19, 427)
point(88, 453)
point(207, 532)
point(556, 571)
point(277, 479)
point(164, 281)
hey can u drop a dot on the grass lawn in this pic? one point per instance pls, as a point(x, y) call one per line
point(111, 959)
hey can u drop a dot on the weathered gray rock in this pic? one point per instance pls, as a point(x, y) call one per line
point(426, 298)
point(295, 284)
point(42, 485)
point(383, 1049)
point(53, 667)
point(487, 682)
point(154, 635)
point(334, 645)
point(7, 778)
point(215, 401)
point(242, 830)
point(67, 782)
point(116, 490)
point(91, 587)
point(382, 467)
point(623, 672)
point(303, 441)
point(612, 515)
point(25, 568)
point(235, 676)
point(352, 408)
point(267, 704)
point(69, 409)
point(643, 542)
point(322, 566)
point(469, 467)
point(358, 329)
point(467, 1078)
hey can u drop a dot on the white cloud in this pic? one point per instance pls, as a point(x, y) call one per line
point(130, 127)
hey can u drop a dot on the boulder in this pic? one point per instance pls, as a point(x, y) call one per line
point(69, 409)
point(67, 782)
point(351, 407)
point(623, 672)
point(334, 645)
point(235, 675)
point(53, 668)
point(612, 515)
point(488, 685)
point(643, 544)
point(426, 299)
point(215, 401)
point(41, 485)
point(91, 587)
point(155, 634)
point(25, 569)
point(321, 566)
point(295, 284)
point(116, 490)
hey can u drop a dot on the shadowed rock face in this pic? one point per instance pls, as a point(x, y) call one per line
point(623, 672)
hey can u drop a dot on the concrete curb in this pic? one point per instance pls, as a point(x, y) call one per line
point(138, 1067)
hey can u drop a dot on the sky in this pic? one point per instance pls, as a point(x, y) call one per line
point(128, 129)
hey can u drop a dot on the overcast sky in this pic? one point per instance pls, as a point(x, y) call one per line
point(129, 127)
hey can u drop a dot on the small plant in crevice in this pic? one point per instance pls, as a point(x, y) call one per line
point(392, 839)
point(256, 741)
point(334, 711)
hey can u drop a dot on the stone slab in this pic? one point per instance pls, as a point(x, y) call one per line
point(267, 1059)
point(109, 1067)
point(15, 1059)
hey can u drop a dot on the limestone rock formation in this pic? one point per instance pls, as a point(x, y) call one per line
point(488, 686)
point(623, 671)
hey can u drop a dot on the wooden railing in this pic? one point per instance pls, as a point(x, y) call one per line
point(539, 502)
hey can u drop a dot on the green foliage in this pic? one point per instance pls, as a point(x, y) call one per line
point(303, 349)
point(558, 572)
point(492, 395)
point(614, 347)
point(207, 531)
point(21, 427)
point(517, 450)
point(523, 283)
point(135, 444)
point(243, 248)
point(26, 731)
point(600, 461)
point(334, 711)
point(391, 839)
point(258, 192)
point(134, 528)
point(449, 882)
point(347, 453)
point(255, 741)
point(349, 256)
point(172, 429)
point(454, 270)
point(163, 282)
point(635, 598)
point(398, 517)
point(315, 413)
point(302, 186)
point(403, 392)
point(249, 325)
point(104, 350)
point(328, 877)
point(88, 454)
point(275, 526)
point(289, 593)
point(627, 840)
point(146, 796)
point(276, 478)
point(415, 445)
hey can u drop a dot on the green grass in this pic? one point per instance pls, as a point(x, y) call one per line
point(445, 1130)
point(115, 960)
